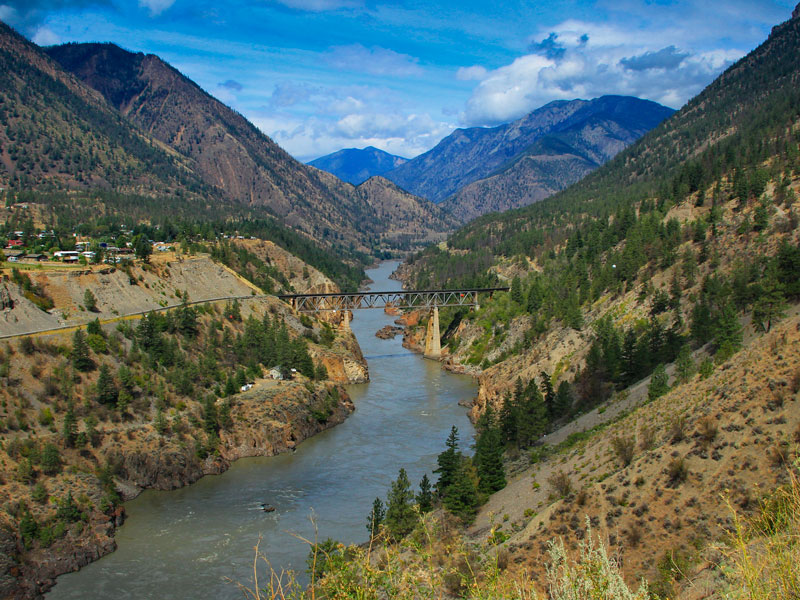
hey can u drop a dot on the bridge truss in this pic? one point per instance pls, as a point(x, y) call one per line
point(400, 299)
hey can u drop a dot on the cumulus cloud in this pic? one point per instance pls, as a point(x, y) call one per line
point(45, 36)
point(156, 7)
point(374, 60)
point(474, 73)
point(586, 60)
point(310, 121)
point(320, 5)
point(666, 58)
point(549, 47)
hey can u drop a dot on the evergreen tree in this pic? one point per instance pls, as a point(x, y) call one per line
point(461, 498)
point(69, 430)
point(728, 329)
point(425, 496)
point(659, 383)
point(448, 462)
point(50, 460)
point(685, 367)
point(107, 392)
point(517, 295)
point(89, 301)
point(376, 518)
point(401, 518)
point(770, 304)
point(532, 415)
point(549, 395)
point(508, 421)
point(210, 420)
point(489, 454)
point(564, 398)
point(80, 352)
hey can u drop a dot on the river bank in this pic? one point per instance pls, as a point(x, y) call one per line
point(183, 543)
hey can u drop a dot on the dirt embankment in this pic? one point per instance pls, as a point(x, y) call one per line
point(303, 278)
point(118, 292)
point(660, 484)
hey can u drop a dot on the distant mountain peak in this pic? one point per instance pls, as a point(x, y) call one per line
point(356, 165)
point(607, 124)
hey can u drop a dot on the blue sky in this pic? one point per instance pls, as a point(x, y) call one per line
point(320, 75)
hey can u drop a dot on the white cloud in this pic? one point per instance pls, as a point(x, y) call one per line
point(45, 37)
point(474, 73)
point(374, 60)
point(156, 7)
point(585, 60)
point(395, 132)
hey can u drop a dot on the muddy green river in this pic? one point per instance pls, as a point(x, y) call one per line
point(186, 543)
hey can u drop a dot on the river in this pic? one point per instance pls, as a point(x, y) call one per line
point(184, 543)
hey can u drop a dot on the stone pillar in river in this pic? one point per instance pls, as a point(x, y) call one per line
point(433, 341)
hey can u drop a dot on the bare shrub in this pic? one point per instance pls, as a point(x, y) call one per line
point(677, 429)
point(647, 437)
point(778, 455)
point(624, 447)
point(633, 534)
point(707, 429)
point(677, 471)
point(560, 483)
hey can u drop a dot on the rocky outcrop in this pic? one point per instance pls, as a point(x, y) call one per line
point(388, 332)
point(343, 360)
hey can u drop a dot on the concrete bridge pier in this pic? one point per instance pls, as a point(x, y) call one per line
point(433, 341)
point(345, 324)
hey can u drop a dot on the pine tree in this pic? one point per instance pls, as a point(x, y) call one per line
point(107, 392)
point(448, 462)
point(659, 383)
point(770, 305)
point(401, 518)
point(489, 454)
point(69, 430)
point(532, 415)
point(517, 295)
point(548, 393)
point(80, 352)
point(461, 498)
point(685, 367)
point(89, 301)
point(728, 330)
point(425, 496)
point(564, 398)
point(508, 421)
point(376, 518)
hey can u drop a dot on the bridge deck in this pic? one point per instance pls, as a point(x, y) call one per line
point(400, 299)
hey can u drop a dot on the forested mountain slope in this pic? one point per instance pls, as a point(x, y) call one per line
point(225, 150)
point(56, 134)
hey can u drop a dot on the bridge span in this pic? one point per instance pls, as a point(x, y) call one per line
point(408, 299)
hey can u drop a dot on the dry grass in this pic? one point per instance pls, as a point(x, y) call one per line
point(763, 552)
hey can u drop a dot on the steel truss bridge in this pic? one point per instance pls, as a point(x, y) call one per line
point(402, 299)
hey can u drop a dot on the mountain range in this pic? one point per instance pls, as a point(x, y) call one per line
point(485, 169)
point(355, 165)
point(84, 117)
